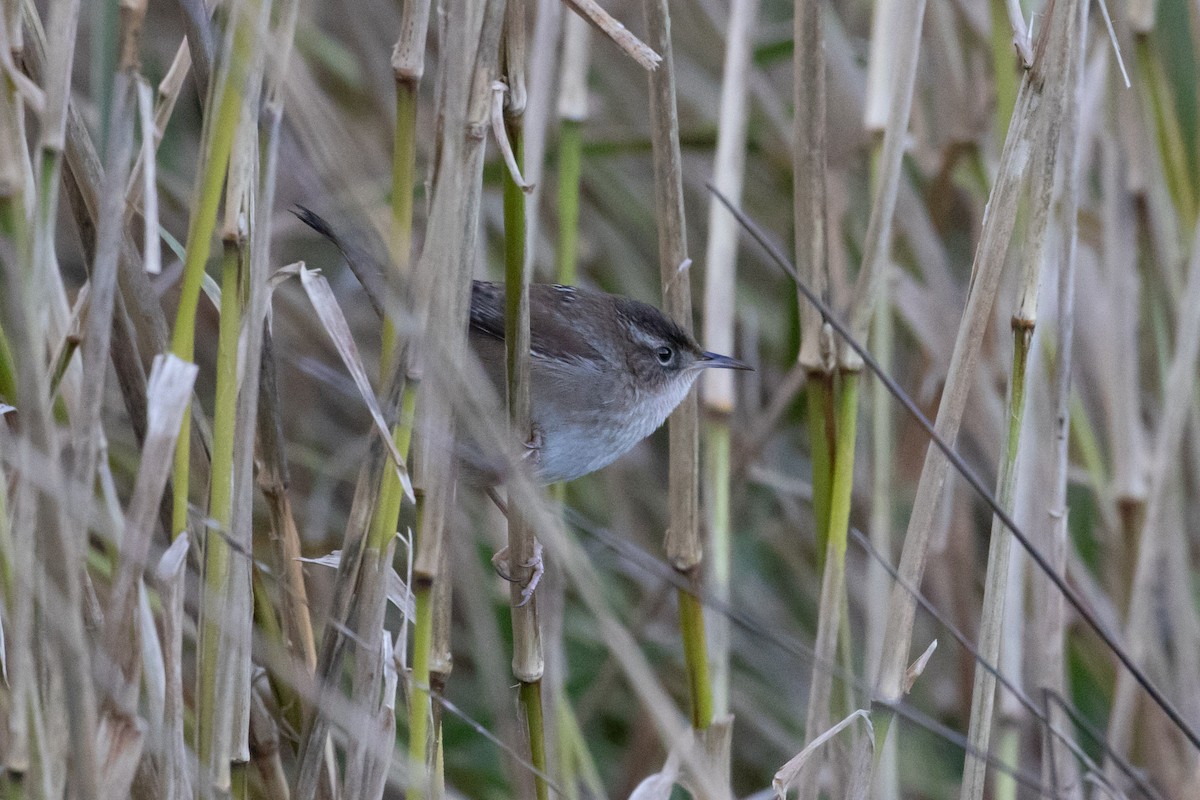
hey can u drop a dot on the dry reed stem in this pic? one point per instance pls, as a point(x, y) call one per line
point(611, 27)
point(543, 79)
point(1155, 535)
point(1062, 42)
point(809, 181)
point(683, 545)
point(878, 244)
point(989, 261)
point(729, 168)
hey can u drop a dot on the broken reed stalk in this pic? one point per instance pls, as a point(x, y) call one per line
point(220, 125)
point(719, 318)
point(682, 542)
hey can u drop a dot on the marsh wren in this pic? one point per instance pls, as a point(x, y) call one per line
point(606, 371)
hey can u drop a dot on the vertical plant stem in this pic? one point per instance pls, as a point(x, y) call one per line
point(833, 586)
point(882, 452)
point(691, 624)
point(418, 698)
point(1004, 68)
point(717, 476)
point(528, 658)
point(570, 161)
point(683, 544)
point(442, 284)
point(219, 130)
point(213, 608)
point(994, 595)
point(720, 311)
point(531, 701)
point(1165, 119)
point(572, 111)
point(822, 432)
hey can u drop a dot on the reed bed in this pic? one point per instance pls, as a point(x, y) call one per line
point(937, 544)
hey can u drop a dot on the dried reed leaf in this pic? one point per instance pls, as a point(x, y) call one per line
point(787, 776)
point(330, 314)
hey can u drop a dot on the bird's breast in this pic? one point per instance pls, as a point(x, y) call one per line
point(586, 428)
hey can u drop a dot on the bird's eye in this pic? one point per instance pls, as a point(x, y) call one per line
point(665, 355)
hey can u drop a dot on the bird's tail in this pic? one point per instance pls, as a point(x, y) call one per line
point(362, 249)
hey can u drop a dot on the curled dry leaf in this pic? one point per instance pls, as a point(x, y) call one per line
point(788, 774)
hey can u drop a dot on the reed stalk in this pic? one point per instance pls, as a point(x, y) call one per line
point(682, 543)
point(211, 727)
point(995, 589)
point(719, 319)
point(572, 114)
point(1054, 61)
point(217, 143)
point(442, 285)
point(528, 657)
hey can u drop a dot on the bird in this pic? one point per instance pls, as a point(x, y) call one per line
point(605, 370)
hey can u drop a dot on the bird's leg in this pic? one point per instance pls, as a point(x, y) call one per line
point(500, 564)
point(500, 559)
point(533, 446)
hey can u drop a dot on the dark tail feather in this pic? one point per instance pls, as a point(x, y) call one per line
point(359, 248)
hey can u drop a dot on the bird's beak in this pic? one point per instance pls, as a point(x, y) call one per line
point(715, 361)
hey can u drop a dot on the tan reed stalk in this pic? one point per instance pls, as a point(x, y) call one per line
point(442, 285)
point(682, 543)
point(719, 319)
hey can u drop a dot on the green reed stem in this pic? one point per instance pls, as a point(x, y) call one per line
point(218, 138)
point(717, 484)
point(419, 699)
point(821, 432)
point(695, 656)
point(220, 509)
point(531, 700)
point(983, 694)
point(570, 167)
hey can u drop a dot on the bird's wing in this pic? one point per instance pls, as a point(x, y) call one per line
point(487, 309)
point(559, 328)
